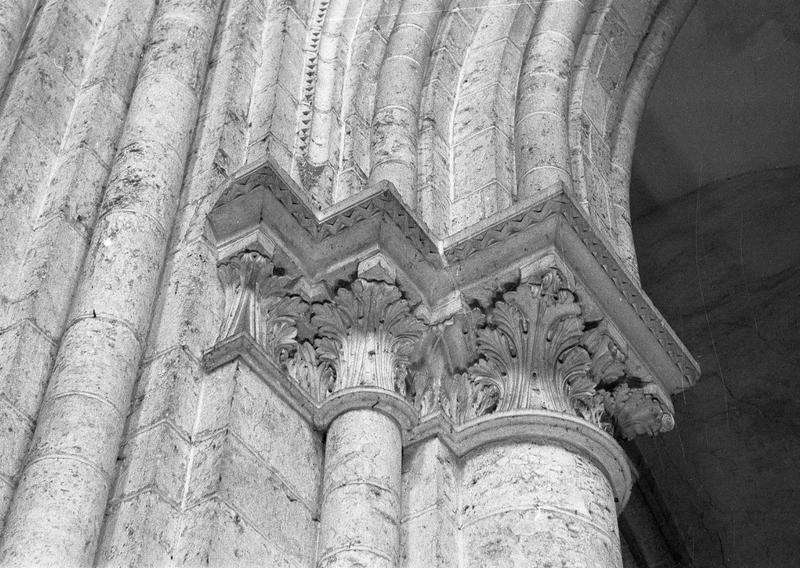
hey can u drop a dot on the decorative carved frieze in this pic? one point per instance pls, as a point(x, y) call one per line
point(366, 334)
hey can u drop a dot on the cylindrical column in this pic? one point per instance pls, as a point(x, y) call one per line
point(58, 507)
point(14, 18)
point(542, 143)
point(360, 523)
point(666, 25)
point(531, 504)
point(399, 88)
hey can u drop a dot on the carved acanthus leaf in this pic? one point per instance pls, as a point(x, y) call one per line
point(366, 334)
point(258, 302)
point(520, 345)
point(312, 374)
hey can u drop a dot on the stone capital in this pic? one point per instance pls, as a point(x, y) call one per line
point(536, 347)
point(366, 333)
point(527, 312)
point(258, 302)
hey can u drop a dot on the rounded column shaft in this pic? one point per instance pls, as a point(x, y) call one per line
point(58, 506)
point(360, 524)
point(527, 504)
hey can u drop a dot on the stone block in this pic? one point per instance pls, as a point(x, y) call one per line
point(48, 275)
point(123, 292)
point(260, 114)
point(26, 357)
point(429, 540)
point(155, 460)
point(429, 480)
point(435, 210)
point(170, 53)
point(466, 211)
point(277, 434)
point(73, 436)
point(477, 111)
point(243, 27)
point(484, 67)
point(484, 157)
point(433, 167)
point(595, 103)
point(539, 141)
point(214, 534)
point(96, 122)
point(552, 539)
point(600, 153)
point(191, 307)
point(15, 435)
point(496, 479)
point(168, 389)
point(543, 93)
point(190, 220)
point(64, 33)
point(635, 14)
point(115, 60)
point(160, 119)
point(6, 494)
point(24, 162)
point(494, 23)
point(292, 66)
point(140, 531)
point(282, 123)
point(265, 501)
point(65, 498)
point(75, 190)
point(42, 96)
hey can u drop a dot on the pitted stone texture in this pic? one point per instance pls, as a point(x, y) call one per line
point(429, 529)
point(361, 492)
point(522, 501)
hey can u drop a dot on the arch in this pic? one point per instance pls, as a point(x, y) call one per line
point(481, 137)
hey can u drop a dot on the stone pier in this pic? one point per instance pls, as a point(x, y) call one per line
point(324, 283)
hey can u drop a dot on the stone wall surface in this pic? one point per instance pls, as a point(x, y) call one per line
point(723, 265)
point(121, 125)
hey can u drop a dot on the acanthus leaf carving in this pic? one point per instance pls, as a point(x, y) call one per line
point(312, 374)
point(366, 334)
point(520, 343)
point(258, 301)
point(535, 351)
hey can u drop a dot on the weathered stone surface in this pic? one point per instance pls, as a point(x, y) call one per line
point(522, 501)
point(162, 405)
point(361, 492)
